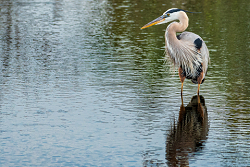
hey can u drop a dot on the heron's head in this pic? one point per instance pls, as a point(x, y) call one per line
point(168, 16)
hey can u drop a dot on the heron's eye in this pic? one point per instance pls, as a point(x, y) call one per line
point(168, 14)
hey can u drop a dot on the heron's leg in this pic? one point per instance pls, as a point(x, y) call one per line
point(181, 93)
point(199, 79)
point(182, 78)
point(182, 87)
point(198, 90)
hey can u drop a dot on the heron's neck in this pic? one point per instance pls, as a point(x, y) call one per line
point(172, 43)
point(181, 26)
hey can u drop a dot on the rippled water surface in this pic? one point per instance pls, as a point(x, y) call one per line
point(82, 85)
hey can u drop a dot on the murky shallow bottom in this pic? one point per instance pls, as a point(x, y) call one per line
point(76, 92)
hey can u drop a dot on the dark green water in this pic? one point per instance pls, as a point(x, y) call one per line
point(82, 85)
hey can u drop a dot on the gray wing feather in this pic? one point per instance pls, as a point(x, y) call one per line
point(204, 53)
point(184, 53)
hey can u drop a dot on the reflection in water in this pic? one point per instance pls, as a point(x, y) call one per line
point(189, 134)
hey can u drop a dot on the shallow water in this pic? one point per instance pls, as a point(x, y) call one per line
point(82, 85)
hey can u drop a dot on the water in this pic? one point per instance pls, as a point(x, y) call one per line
point(82, 85)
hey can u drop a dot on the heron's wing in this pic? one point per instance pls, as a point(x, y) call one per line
point(183, 52)
point(199, 45)
point(205, 57)
point(187, 53)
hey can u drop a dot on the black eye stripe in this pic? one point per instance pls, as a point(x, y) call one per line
point(173, 10)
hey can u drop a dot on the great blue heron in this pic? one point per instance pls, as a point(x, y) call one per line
point(188, 51)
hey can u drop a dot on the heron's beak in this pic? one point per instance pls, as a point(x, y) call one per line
point(156, 21)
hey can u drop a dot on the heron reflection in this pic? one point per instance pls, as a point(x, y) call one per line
point(189, 134)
